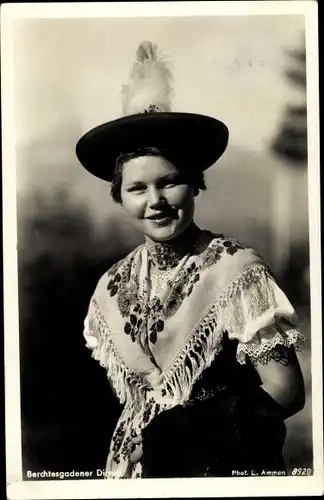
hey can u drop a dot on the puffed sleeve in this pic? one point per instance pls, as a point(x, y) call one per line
point(91, 327)
point(259, 315)
point(89, 331)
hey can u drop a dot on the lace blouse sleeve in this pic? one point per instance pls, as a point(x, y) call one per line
point(258, 314)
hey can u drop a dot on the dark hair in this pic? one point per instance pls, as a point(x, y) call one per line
point(195, 177)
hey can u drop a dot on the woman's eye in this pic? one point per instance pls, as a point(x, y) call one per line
point(171, 184)
point(136, 189)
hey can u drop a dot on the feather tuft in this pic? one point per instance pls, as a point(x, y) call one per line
point(149, 87)
point(146, 50)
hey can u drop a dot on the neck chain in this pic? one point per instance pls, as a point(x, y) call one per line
point(166, 255)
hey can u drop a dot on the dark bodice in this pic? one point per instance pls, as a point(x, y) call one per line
point(229, 423)
point(225, 374)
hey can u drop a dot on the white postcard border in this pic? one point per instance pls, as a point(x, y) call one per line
point(144, 488)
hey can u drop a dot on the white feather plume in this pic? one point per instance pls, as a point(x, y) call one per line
point(149, 84)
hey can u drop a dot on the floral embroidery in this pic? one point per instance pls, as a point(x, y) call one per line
point(173, 302)
point(118, 436)
point(134, 307)
point(126, 448)
point(132, 327)
point(133, 433)
point(211, 256)
point(124, 301)
point(232, 246)
point(157, 327)
point(184, 285)
point(113, 269)
point(112, 287)
point(122, 444)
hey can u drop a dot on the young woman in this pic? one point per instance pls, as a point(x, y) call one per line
point(196, 336)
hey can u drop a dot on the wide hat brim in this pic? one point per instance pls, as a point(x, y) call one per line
point(190, 141)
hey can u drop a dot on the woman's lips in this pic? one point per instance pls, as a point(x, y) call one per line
point(161, 215)
point(160, 219)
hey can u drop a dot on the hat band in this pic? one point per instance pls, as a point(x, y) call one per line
point(154, 108)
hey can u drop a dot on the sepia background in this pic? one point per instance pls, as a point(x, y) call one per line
point(248, 71)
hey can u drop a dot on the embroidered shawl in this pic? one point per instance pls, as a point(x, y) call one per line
point(154, 346)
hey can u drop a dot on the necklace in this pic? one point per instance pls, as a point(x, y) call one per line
point(166, 255)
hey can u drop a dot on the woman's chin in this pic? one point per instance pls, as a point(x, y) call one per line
point(162, 232)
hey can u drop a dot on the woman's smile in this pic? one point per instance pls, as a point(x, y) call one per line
point(158, 216)
point(162, 218)
point(161, 221)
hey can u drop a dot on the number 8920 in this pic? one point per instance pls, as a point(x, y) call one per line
point(301, 471)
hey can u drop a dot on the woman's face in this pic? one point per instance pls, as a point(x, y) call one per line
point(157, 197)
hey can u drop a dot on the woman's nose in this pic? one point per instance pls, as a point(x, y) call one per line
point(154, 197)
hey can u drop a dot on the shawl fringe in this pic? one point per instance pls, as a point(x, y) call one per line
point(126, 382)
point(245, 298)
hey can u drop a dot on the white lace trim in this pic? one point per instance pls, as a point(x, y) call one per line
point(260, 348)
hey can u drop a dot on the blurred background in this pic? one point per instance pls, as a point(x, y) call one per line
point(248, 71)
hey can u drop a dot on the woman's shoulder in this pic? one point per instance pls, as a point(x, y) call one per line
point(229, 253)
point(230, 243)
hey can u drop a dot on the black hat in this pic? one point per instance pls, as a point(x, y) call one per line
point(189, 140)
